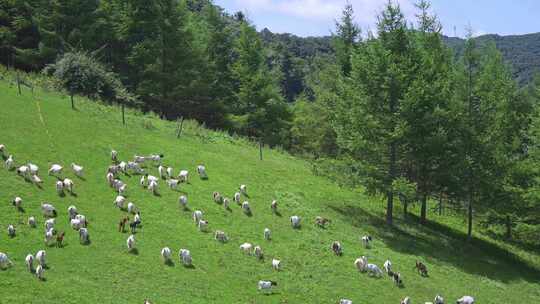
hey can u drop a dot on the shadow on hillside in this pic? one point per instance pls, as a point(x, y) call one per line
point(443, 243)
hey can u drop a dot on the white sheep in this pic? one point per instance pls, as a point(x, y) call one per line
point(407, 300)
point(114, 156)
point(123, 167)
point(236, 197)
point(153, 186)
point(166, 254)
point(36, 179)
point(11, 231)
point(156, 158)
point(49, 224)
point(197, 216)
point(72, 212)
point(345, 301)
point(185, 257)
point(337, 248)
point(77, 169)
point(55, 169)
point(49, 237)
point(2, 150)
point(131, 208)
point(246, 207)
point(258, 252)
point(366, 240)
point(40, 257)
point(32, 222)
point(266, 285)
point(267, 234)
point(170, 172)
point(5, 262)
point(295, 221)
point(387, 266)
point(120, 202)
point(276, 264)
point(246, 248)
point(202, 225)
point(48, 210)
point(114, 169)
point(29, 261)
point(76, 224)
point(84, 237)
point(9, 163)
point(226, 203)
point(134, 167)
point(40, 272)
point(361, 263)
point(139, 159)
point(162, 171)
point(374, 270)
point(68, 185)
point(202, 172)
point(130, 242)
point(465, 300)
point(438, 300)
point(274, 206)
point(23, 171)
point(243, 189)
point(59, 187)
point(142, 181)
point(17, 202)
point(217, 197)
point(173, 183)
point(82, 219)
point(183, 176)
point(110, 178)
point(34, 169)
point(182, 201)
point(220, 236)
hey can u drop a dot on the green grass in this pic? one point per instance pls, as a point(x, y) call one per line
point(45, 130)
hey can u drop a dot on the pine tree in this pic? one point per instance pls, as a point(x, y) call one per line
point(346, 38)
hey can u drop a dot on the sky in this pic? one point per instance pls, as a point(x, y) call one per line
point(317, 17)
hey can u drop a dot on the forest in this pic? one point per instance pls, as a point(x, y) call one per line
point(400, 110)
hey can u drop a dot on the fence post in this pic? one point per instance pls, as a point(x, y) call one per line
point(180, 126)
point(260, 149)
point(19, 82)
point(123, 114)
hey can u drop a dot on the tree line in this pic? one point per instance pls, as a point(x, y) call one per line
point(411, 121)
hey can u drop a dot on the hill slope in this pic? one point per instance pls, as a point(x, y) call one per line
point(46, 131)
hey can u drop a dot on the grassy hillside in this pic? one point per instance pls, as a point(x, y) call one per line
point(45, 130)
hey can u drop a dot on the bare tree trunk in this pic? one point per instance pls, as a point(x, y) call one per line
point(123, 114)
point(440, 203)
point(390, 194)
point(470, 216)
point(260, 149)
point(423, 209)
point(72, 103)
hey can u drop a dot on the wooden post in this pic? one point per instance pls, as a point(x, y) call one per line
point(19, 82)
point(72, 104)
point(123, 114)
point(180, 126)
point(260, 149)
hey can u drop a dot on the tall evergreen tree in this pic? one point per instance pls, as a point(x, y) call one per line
point(346, 38)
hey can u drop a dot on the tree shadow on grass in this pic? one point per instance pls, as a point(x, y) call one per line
point(478, 257)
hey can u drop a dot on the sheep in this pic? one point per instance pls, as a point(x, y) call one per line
point(130, 242)
point(226, 203)
point(185, 257)
point(236, 198)
point(267, 234)
point(197, 216)
point(23, 171)
point(9, 163)
point(407, 300)
point(131, 208)
point(59, 187)
point(76, 224)
point(220, 236)
point(60, 239)
point(183, 176)
point(49, 237)
point(266, 285)
point(136, 222)
point(72, 212)
point(134, 167)
point(246, 248)
point(11, 231)
point(2, 150)
point(166, 254)
point(17, 202)
point(396, 277)
point(202, 172)
point(465, 300)
point(55, 169)
point(114, 169)
point(32, 222)
point(139, 159)
point(257, 251)
point(34, 169)
point(156, 158)
point(295, 221)
point(345, 301)
point(110, 178)
point(114, 156)
point(40, 257)
point(170, 172)
point(361, 263)
point(336, 248)
point(321, 221)
point(246, 207)
point(117, 184)
point(84, 237)
point(387, 267)
point(29, 261)
point(77, 169)
point(36, 180)
point(153, 186)
point(421, 268)
point(276, 264)
point(162, 172)
point(274, 206)
point(48, 210)
point(40, 271)
point(5, 262)
point(374, 270)
point(120, 201)
point(142, 181)
point(123, 167)
point(438, 300)
point(217, 197)
point(68, 185)
point(122, 224)
point(182, 201)
point(243, 189)
point(173, 183)
point(122, 190)
point(82, 219)
point(366, 241)
point(202, 225)
point(49, 224)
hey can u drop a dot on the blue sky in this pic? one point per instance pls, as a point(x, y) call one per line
point(316, 17)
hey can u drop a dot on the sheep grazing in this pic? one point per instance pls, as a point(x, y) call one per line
point(226, 203)
point(183, 176)
point(201, 170)
point(243, 189)
point(82, 219)
point(162, 172)
point(32, 222)
point(117, 184)
point(336, 248)
point(170, 172)
point(182, 201)
point(76, 224)
point(266, 285)
point(321, 221)
point(257, 251)
point(60, 239)
point(139, 159)
point(156, 158)
point(122, 190)
point(114, 156)
point(114, 169)
point(5, 262)
point(84, 237)
point(29, 261)
point(110, 178)
point(9, 163)
point(72, 212)
point(173, 183)
point(153, 186)
point(361, 263)
point(120, 202)
point(295, 221)
point(236, 198)
point(48, 210)
point(421, 268)
point(49, 224)
point(388, 267)
point(166, 254)
point(36, 180)
point(11, 231)
point(136, 222)
point(40, 272)
point(246, 248)
point(217, 197)
point(55, 169)
point(246, 207)
point(2, 150)
point(123, 167)
point(131, 208)
point(40, 257)
point(130, 242)
point(202, 225)
point(151, 178)
point(185, 257)
point(197, 216)
point(345, 301)
point(77, 169)
point(374, 270)
point(276, 264)
point(122, 224)
point(274, 206)
point(142, 181)
point(59, 187)
point(49, 237)
point(68, 185)
point(34, 169)
point(465, 300)
point(396, 277)
point(267, 234)
point(438, 300)
point(220, 236)
point(17, 202)
point(366, 241)
point(134, 167)
point(407, 300)
point(23, 171)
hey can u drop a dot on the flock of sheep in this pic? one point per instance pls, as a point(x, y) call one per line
point(78, 221)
